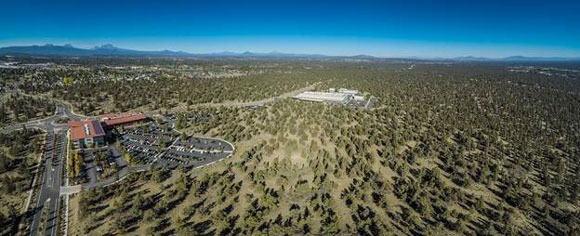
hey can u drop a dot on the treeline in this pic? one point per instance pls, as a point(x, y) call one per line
point(103, 90)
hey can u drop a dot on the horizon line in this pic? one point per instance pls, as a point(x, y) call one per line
point(96, 46)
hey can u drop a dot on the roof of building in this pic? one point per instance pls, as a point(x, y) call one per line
point(85, 129)
point(323, 97)
point(117, 119)
point(348, 91)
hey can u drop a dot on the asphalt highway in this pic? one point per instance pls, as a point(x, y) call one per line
point(50, 186)
point(52, 163)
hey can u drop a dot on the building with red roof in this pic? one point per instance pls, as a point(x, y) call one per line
point(111, 120)
point(87, 133)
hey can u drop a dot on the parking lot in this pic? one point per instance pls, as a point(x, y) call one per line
point(98, 164)
point(207, 144)
point(150, 143)
point(146, 152)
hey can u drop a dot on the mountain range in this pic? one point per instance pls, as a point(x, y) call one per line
point(110, 50)
point(68, 50)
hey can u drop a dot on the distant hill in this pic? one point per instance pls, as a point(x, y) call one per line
point(523, 58)
point(516, 59)
point(47, 49)
point(471, 58)
point(363, 56)
point(270, 54)
point(110, 50)
point(68, 50)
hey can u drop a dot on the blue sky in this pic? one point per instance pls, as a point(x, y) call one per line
point(380, 28)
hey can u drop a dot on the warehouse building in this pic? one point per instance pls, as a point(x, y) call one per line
point(343, 90)
point(338, 96)
point(328, 97)
point(86, 134)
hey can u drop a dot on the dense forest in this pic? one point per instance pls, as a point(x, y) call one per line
point(452, 148)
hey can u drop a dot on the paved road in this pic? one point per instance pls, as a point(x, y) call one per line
point(50, 187)
point(91, 167)
point(49, 123)
point(121, 164)
point(52, 162)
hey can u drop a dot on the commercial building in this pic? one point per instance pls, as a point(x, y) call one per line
point(338, 96)
point(328, 97)
point(126, 119)
point(88, 133)
point(343, 90)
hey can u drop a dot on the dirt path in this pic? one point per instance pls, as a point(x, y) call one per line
point(263, 101)
point(258, 103)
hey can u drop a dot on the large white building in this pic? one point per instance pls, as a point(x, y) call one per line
point(328, 97)
point(338, 96)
